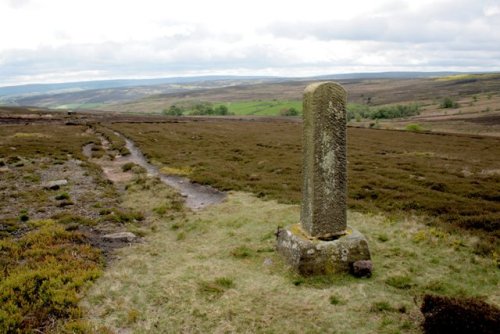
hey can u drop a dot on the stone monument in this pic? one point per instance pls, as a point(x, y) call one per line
point(323, 243)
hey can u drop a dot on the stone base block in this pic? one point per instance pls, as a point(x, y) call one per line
point(310, 256)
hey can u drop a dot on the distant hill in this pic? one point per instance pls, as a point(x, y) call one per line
point(92, 94)
point(386, 75)
point(155, 94)
point(54, 88)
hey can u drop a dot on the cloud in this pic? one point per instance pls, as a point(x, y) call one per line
point(116, 39)
point(18, 3)
point(442, 22)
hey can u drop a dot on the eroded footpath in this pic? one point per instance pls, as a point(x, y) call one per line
point(196, 196)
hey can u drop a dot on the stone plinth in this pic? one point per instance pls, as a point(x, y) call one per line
point(312, 256)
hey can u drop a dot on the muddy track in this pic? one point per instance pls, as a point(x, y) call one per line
point(196, 196)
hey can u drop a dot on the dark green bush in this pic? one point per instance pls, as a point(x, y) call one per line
point(448, 103)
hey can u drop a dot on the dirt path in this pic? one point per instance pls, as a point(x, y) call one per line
point(196, 196)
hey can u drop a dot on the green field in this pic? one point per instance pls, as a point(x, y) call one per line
point(262, 107)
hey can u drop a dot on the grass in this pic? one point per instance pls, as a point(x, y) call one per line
point(450, 178)
point(414, 127)
point(224, 275)
point(117, 143)
point(216, 270)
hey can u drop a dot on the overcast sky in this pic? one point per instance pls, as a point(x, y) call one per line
point(73, 40)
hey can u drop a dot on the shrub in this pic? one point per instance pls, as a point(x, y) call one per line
point(173, 111)
point(459, 315)
point(289, 112)
point(356, 111)
point(207, 109)
point(397, 111)
point(128, 166)
point(448, 103)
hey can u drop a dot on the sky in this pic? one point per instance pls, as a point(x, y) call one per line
point(44, 41)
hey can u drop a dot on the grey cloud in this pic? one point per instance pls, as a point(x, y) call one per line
point(117, 60)
point(443, 22)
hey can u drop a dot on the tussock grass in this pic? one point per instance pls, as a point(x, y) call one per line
point(224, 275)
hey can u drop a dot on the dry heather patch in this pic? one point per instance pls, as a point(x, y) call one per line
point(217, 271)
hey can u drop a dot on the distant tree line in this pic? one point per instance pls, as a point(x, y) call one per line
point(361, 111)
point(202, 108)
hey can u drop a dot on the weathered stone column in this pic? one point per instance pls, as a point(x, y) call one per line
point(323, 243)
point(323, 212)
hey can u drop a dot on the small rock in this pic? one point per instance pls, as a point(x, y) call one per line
point(55, 185)
point(268, 262)
point(120, 236)
point(362, 268)
point(184, 195)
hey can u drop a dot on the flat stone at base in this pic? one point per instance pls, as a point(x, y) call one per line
point(310, 256)
point(120, 236)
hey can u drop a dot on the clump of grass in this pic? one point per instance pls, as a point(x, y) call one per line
point(216, 287)
point(382, 306)
point(62, 196)
point(120, 216)
point(128, 166)
point(242, 252)
point(382, 237)
point(399, 281)
point(132, 316)
point(161, 210)
point(336, 300)
point(73, 219)
point(23, 216)
point(448, 102)
point(414, 128)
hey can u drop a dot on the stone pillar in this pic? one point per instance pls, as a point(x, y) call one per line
point(323, 212)
point(323, 243)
